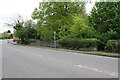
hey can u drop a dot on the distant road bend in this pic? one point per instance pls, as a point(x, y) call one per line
point(31, 62)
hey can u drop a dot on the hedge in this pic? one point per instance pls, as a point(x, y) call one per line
point(5, 37)
point(113, 46)
point(33, 40)
point(79, 43)
point(27, 41)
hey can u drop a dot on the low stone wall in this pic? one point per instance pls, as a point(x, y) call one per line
point(47, 44)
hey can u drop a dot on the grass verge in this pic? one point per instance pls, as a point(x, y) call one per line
point(85, 52)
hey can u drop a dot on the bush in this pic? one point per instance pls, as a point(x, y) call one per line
point(79, 43)
point(27, 41)
point(113, 45)
point(33, 40)
point(5, 37)
point(23, 41)
point(0, 37)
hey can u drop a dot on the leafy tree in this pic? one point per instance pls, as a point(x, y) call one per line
point(54, 15)
point(30, 29)
point(79, 29)
point(105, 18)
point(17, 23)
point(27, 32)
point(46, 34)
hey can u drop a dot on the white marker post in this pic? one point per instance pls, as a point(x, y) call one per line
point(55, 39)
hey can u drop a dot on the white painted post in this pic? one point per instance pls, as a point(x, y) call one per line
point(54, 39)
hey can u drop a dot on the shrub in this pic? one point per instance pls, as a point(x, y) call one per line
point(33, 40)
point(0, 37)
point(27, 41)
point(5, 37)
point(79, 43)
point(113, 45)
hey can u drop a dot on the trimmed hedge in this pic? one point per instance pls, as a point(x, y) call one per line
point(33, 40)
point(79, 43)
point(113, 46)
point(27, 41)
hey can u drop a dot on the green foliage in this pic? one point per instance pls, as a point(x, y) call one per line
point(113, 45)
point(30, 29)
point(53, 16)
point(78, 29)
point(104, 37)
point(5, 37)
point(105, 18)
point(26, 32)
point(17, 23)
point(79, 43)
point(45, 33)
point(33, 40)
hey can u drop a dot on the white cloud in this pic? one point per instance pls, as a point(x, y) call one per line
point(9, 8)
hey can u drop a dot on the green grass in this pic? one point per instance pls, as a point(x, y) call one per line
point(94, 52)
point(86, 52)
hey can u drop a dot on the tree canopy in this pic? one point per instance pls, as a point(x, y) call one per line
point(105, 18)
point(52, 16)
point(26, 32)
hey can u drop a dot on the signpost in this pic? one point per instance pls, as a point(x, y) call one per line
point(54, 39)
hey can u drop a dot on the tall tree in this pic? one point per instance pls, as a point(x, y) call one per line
point(54, 15)
point(28, 31)
point(105, 18)
point(16, 23)
point(79, 29)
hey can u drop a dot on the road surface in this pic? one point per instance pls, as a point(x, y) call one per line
point(31, 62)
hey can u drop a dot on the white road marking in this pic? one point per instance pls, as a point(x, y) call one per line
point(97, 70)
point(96, 56)
point(114, 74)
point(89, 55)
point(106, 57)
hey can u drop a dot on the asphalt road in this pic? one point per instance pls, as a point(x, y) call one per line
point(31, 62)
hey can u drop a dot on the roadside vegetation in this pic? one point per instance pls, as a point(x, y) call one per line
point(72, 27)
point(6, 35)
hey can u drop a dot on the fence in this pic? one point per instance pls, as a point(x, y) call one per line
point(47, 44)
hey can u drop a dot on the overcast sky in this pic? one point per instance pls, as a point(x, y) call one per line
point(11, 8)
